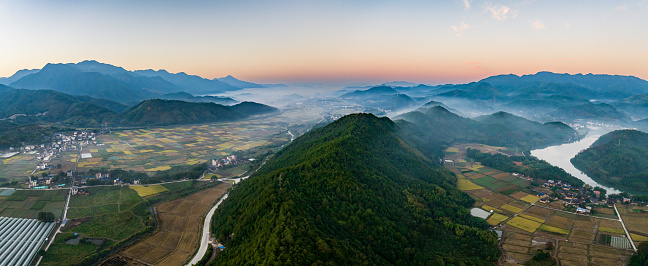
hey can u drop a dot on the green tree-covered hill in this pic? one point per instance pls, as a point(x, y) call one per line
point(619, 158)
point(431, 128)
point(159, 112)
point(351, 193)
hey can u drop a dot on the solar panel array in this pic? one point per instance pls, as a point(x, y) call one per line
point(20, 239)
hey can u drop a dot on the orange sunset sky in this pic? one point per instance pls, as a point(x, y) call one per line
point(432, 42)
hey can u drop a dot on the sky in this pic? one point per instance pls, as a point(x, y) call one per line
point(431, 42)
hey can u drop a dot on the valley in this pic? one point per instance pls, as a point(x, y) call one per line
point(129, 165)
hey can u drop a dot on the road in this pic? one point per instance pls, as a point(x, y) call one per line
point(206, 234)
point(204, 242)
point(624, 229)
point(58, 229)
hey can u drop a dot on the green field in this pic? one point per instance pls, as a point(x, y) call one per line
point(103, 200)
point(28, 203)
point(60, 253)
point(18, 167)
point(113, 213)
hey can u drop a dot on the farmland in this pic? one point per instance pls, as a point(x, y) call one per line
point(159, 149)
point(145, 191)
point(528, 225)
point(179, 229)
point(18, 167)
point(113, 215)
point(28, 203)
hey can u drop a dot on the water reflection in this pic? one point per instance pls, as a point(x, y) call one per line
point(561, 154)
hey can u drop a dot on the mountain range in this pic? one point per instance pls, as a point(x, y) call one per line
point(99, 80)
point(33, 106)
point(432, 128)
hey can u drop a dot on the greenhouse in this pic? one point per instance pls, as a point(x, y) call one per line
point(20, 239)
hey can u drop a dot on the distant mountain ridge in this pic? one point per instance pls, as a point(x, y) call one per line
point(100, 80)
point(595, 82)
point(433, 127)
point(158, 112)
point(32, 106)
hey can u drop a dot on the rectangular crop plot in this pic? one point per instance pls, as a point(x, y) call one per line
point(490, 183)
point(530, 199)
point(496, 218)
point(524, 224)
point(549, 228)
point(512, 209)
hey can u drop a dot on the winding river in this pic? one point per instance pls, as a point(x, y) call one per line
point(560, 155)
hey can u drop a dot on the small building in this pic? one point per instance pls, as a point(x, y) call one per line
point(74, 190)
point(581, 210)
point(83, 182)
point(69, 173)
point(626, 200)
point(136, 182)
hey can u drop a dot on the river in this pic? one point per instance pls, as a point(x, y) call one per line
point(560, 155)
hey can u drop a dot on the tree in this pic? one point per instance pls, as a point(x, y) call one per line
point(58, 166)
point(46, 217)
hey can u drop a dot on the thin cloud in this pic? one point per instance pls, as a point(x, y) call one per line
point(567, 25)
point(500, 12)
point(537, 24)
point(460, 29)
point(622, 8)
point(466, 4)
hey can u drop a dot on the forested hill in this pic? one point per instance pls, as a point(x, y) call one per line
point(619, 158)
point(159, 112)
point(430, 128)
point(351, 193)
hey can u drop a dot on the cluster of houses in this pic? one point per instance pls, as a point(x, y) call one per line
point(76, 191)
point(104, 177)
point(580, 198)
point(231, 159)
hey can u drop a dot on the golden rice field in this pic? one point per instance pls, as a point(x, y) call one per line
point(611, 230)
point(530, 198)
point(531, 218)
point(638, 238)
point(552, 229)
point(465, 185)
point(144, 191)
point(512, 209)
point(496, 218)
point(524, 224)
